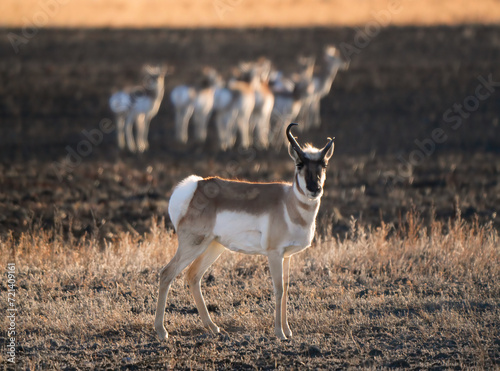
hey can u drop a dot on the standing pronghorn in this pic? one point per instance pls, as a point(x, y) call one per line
point(138, 105)
point(243, 88)
point(287, 104)
point(264, 102)
point(196, 102)
point(272, 219)
point(323, 82)
point(233, 107)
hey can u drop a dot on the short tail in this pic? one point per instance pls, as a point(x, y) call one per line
point(181, 198)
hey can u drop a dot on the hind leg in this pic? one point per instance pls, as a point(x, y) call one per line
point(129, 134)
point(242, 124)
point(182, 116)
point(194, 275)
point(147, 122)
point(120, 131)
point(188, 250)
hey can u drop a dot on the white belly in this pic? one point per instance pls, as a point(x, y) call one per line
point(241, 232)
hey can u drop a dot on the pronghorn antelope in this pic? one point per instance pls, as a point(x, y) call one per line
point(138, 105)
point(196, 102)
point(306, 64)
point(264, 102)
point(272, 219)
point(323, 82)
point(243, 89)
point(234, 105)
point(279, 83)
point(287, 104)
point(225, 116)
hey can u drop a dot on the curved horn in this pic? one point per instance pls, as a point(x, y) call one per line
point(325, 150)
point(292, 140)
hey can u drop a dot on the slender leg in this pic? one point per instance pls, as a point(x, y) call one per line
point(264, 125)
point(221, 130)
point(276, 269)
point(139, 135)
point(186, 253)
point(182, 116)
point(286, 280)
point(242, 123)
point(129, 135)
point(147, 122)
point(194, 275)
point(120, 130)
point(231, 128)
point(200, 118)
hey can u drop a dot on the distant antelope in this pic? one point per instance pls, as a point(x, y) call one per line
point(306, 64)
point(323, 82)
point(234, 105)
point(225, 112)
point(138, 105)
point(194, 102)
point(243, 88)
point(287, 104)
point(264, 103)
point(272, 219)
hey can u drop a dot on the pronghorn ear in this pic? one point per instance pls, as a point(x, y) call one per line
point(293, 153)
point(329, 153)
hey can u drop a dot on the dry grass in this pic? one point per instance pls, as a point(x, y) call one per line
point(242, 13)
point(417, 297)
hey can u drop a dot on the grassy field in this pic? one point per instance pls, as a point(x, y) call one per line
point(409, 297)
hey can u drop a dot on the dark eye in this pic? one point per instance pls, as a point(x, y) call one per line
point(300, 165)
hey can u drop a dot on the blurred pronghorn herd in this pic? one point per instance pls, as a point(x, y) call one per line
point(252, 108)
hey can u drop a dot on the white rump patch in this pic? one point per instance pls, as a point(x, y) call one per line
point(222, 98)
point(120, 102)
point(181, 197)
point(181, 96)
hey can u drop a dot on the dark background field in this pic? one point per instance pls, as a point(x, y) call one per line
point(395, 92)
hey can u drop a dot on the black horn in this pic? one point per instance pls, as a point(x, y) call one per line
point(325, 150)
point(292, 140)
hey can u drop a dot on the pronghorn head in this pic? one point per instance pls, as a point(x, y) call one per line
point(154, 76)
point(334, 59)
point(279, 83)
point(310, 165)
point(248, 72)
point(264, 66)
point(210, 77)
point(306, 66)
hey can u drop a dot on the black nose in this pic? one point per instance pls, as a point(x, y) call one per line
point(314, 189)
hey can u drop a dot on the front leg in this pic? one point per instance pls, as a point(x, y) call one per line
point(276, 269)
point(286, 280)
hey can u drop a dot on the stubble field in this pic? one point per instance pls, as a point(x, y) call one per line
point(403, 271)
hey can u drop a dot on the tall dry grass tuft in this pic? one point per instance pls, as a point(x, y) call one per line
point(85, 302)
point(456, 250)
